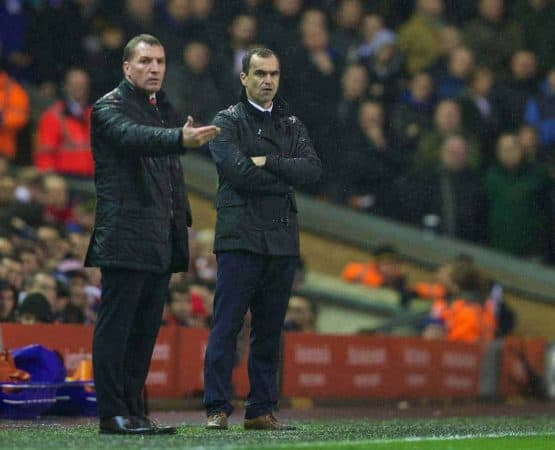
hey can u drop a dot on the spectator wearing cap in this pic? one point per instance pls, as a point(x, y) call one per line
point(34, 309)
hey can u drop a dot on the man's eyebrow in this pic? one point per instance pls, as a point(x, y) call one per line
point(272, 72)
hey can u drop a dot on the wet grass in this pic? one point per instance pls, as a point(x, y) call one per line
point(454, 433)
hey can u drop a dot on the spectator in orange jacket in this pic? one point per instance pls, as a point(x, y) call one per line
point(384, 270)
point(14, 113)
point(64, 130)
point(463, 316)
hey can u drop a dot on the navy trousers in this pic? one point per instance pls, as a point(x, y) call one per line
point(262, 284)
point(127, 325)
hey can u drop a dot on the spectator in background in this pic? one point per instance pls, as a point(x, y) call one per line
point(300, 315)
point(63, 143)
point(529, 140)
point(354, 87)
point(367, 162)
point(34, 309)
point(493, 36)
point(14, 113)
point(419, 37)
point(513, 92)
point(450, 40)
point(15, 17)
point(190, 84)
point(463, 315)
point(518, 202)
point(537, 18)
point(347, 17)
point(411, 117)
point(452, 82)
point(385, 68)
point(104, 65)
point(227, 61)
point(45, 284)
point(385, 270)
point(174, 27)
point(8, 302)
point(479, 112)
point(450, 200)
point(540, 112)
point(138, 17)
point(374, 35)
point(447, 121)
point(280, 28)
point(57, 208)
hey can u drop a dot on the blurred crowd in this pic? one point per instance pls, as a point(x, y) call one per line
point(437, 113)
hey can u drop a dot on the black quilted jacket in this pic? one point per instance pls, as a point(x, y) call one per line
point(142, 211)
point(256, 208)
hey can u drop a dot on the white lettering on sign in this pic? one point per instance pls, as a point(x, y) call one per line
point(161, 352)
point(72, 359)
point(357, 356)
point(367, 380)
point(312, 379)
point(416, 379)
point(312, 355)
point(416, 357)
point(459, 382)
point(157, 378)
point(454, 360)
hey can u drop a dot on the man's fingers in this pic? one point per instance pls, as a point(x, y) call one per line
point(190, 121)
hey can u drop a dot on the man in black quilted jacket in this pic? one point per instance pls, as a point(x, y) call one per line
point(261, 154)
point(140, 233)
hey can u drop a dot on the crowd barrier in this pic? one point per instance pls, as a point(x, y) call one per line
point(324, 366)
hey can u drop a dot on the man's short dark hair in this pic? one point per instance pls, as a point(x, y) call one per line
point(130, 47)
point(263, 52)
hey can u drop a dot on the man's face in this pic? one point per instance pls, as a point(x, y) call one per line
point(262, 81)
point(146, 67)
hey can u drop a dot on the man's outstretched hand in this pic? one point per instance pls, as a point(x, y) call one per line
point(197, 137)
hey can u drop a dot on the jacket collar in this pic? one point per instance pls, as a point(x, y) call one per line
point(280, 107)
point(130, 91)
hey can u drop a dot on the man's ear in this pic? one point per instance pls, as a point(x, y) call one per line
point(125, 67)
point(243, 78)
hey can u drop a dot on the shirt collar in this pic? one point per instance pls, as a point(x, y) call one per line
point(260, 107)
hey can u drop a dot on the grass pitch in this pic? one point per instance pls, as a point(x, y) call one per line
point(498, 433)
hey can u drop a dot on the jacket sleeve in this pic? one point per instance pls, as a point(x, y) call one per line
point(49, 138)
point(301, 167)
point(110, 122)
point(236, 167)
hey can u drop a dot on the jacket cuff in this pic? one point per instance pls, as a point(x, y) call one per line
point(272, 162)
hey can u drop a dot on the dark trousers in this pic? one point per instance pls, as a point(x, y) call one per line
point(263, 285)
point(128, 321)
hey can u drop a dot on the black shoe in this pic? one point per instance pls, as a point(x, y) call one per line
point(123, 425)
point(156, 428)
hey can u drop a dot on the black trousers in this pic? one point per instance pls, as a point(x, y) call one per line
point(263, 285)
point(128, 321)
